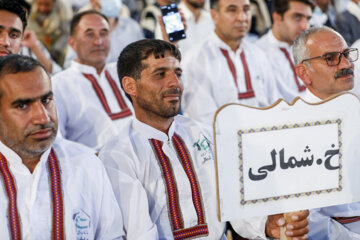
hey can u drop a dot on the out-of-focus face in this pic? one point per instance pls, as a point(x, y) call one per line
point(28, 118)
point(324, 80)
point(294, 21)
point(232, 19)
point(91, 40)
point(196, 3)
point(44, 6)
point(159, 90)
point(11, 33)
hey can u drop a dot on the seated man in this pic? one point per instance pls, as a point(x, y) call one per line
point(157, 155)
point(50, 188)
point(92, 106)
point(325, 64)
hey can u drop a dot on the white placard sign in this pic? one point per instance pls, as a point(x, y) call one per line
point(287, 157)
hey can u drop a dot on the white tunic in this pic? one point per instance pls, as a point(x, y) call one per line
point(209, 83)
point(82, 117)
point(132, 155)
point(284, 74)
point(321, 224)
point(87, 194)
point(196, 31)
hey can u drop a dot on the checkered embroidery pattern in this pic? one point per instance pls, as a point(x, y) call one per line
point(56, 195)
point(9, 183)
point(189, 170)
point(171, 189)
point(179, 232)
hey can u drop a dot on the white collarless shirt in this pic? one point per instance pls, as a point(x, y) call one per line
point(133, 156)
point(285, 80)
point(209, 83)
point(82, 117)
point(86, 189)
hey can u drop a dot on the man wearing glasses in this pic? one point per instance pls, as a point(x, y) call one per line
point(324, 62)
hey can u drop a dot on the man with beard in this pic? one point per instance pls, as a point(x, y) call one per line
point(92, 106)
point(50, 188)
point(290, 19)
point(325, 64)
point(12, 25)
point(226, 68)
point(167, 159)
point(198, 24)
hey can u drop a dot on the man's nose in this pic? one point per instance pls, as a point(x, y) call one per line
point(98, 40)
point(345, 63)
point(174, 80)
point(4, 39)
point(40, 114)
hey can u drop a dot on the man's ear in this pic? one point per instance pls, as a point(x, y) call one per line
point(214, 15)
point(276, 17)
point(303, 72)
point(129, 85)
point(71, 42)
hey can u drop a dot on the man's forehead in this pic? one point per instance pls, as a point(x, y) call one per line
point(152, 63)
point(92, 22)
point(325, 41)
point(33, 83)
point(300, 8)
point(9, 20)
point(239, 3)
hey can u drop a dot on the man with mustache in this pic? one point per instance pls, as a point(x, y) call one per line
point(227, 68)
point(92, 106)
point(325, 64)
point(290, 19)
point(167, 159)
point(12, 25)
point(50, 188)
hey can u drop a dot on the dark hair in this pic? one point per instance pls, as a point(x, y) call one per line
point(15, 8)
point(15, 63)
point(281, 6)
point(130, 59)
point(76, 19)
point(26, 5)
point(214, 4)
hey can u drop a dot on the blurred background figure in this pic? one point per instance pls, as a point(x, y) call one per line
point(198, 21)
point(260, 20)
point(31, 46)
point(123, 30)
point(49, 19)
point(290, 19)
point(335, 14)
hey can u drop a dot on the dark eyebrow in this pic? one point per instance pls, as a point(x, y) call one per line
point(12, 29)
point(30, 100)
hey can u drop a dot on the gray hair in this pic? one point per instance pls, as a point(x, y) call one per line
point(300, 50)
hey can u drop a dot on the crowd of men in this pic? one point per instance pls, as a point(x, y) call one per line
point(99, 150)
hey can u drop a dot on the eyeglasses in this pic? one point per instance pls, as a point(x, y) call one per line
point(334, 58)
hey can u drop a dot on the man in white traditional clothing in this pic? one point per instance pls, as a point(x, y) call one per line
point(325, 64)
point(92, 106)
point(50, 188)
point(199, 24)
point(12, 26)
point(226, 68)
point(290, 19)
point(168, 159)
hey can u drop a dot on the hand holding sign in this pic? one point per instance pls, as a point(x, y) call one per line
point(288, 225)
